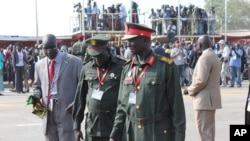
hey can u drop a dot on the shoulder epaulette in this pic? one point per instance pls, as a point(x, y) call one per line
point(127, 62)
point(120, 58)
point(84, 63)
point(167, 60)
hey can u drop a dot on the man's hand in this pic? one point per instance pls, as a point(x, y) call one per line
point(111, 139)
point(78, 135)
point(185, 91)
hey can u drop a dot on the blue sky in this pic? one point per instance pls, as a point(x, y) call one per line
point(18, 16)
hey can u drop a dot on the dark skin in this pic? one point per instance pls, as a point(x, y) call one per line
point(204, 42)
point(140, 46)
point(49, 46)
point(102, 59)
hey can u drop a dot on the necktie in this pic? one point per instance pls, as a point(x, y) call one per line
point(51, 77)
point(51, 70)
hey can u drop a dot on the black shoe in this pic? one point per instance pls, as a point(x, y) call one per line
point(23, 92)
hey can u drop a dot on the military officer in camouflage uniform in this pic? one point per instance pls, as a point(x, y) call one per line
point(150, 103)
point(98, 90)
point(79, 48)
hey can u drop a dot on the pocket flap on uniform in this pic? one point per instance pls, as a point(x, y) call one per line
point(91, 76)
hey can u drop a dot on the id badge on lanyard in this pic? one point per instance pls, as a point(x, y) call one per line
point(132, 98)
point(97, 94)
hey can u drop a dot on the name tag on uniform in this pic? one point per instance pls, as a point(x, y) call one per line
point(132, 98)
point(97, 94)
point(50, 106)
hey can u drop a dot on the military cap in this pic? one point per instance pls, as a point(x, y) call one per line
point(49, 41)
point(133, 30)
point(97, 44)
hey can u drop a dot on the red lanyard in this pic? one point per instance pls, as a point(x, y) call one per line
point(138, 80)
point(101, 79)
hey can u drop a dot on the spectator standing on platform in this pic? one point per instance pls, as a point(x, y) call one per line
point(211, 21)
point(88, 11)
point(171, 32)
point(152, 18)
point(123, 15)
point(95, 16)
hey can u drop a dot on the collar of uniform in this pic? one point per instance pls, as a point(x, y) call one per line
point(113, 60)
point(137, 62)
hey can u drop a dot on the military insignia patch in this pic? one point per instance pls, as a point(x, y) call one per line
point(112, 75)
point(92, 42)
point(167, 60)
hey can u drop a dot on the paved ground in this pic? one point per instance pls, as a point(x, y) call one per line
point(18, 124)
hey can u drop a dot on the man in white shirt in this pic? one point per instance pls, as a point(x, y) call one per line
point(123, 15)
point(225, 51)
point(171, 32)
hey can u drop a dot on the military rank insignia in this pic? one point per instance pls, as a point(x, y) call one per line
point(92, 42)
point(167, 60)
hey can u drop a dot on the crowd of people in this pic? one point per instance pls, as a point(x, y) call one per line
point(193, 20)
point(111, 18)
point(128, 92)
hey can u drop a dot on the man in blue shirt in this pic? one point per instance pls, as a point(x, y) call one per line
point(235, 64)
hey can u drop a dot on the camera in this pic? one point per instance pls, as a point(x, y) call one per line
point(232, 47)
point(76, 5)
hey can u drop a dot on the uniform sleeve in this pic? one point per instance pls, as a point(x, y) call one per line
point(80, 102)
point(120, 117)
point(175, 100)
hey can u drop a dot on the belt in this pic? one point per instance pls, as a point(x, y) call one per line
point(143, 121)
point(98, 111)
